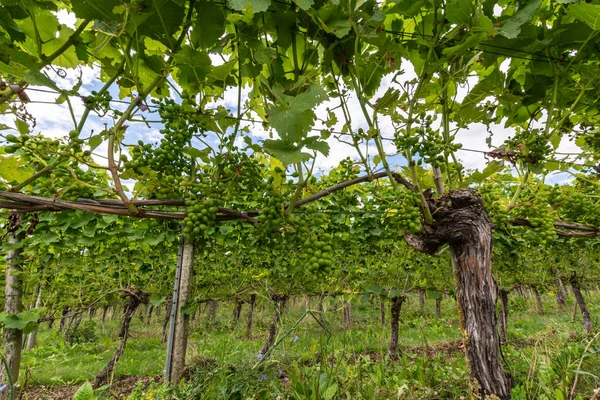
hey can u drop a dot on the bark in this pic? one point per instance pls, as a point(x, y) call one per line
point(382, 312)
point(168, 306)
point(33, 335)
point(280, 301)
point(576, 287)
point(150, 311)
point(63, 318)
point(51, 322)
point(250, 315)
point(104, 310)
point(135, 297)
point(421, 300)
point(460, 220)
point(77, 319)
point(212, 310)
point(12, 338)
point(321, 309)
point(438, 306)
point(182, 319)
point(394, 321)
point(503, 315)
point(347, 313)
point(561, 297)
point(237, 310)
point(538, 300)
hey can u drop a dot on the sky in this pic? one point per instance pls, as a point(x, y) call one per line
point(55, 120)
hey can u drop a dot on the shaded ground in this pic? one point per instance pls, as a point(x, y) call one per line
point(121, 387)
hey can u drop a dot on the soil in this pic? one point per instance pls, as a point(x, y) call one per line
point(121, 387)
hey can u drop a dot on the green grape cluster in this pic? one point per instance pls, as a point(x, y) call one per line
point(491, 196)
point(17, 142)
point(317, 254)
point(201, 216)
point(533, 146)
point(576, 206)
point(542, 221)
point(272, 215)
point(426, 142)
point(203, 206)
point(98, 101)
point(407, 215)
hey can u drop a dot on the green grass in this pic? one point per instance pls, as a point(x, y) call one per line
point(546, 353)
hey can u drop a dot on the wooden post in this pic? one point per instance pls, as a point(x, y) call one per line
point(180, 321)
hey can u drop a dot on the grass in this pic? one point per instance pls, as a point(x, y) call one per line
point(546, 354)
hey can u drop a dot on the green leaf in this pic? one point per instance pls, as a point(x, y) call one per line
point(160, 22)
point(459, 11)
point(588, 13)
point(257, 5)
point(12, 170)
point(330, 392)
point(209, 26)
point(156, 300)
point(512, 27)
point(95, 9)
point(491, 168)
point(304, 4)
point(285, 152)
point(192, 66)
point(95, 141)
point(85, 392)
point(374, 288)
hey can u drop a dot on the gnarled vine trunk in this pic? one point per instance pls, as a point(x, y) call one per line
point(280, 301)
point(251, 304)
point(168, 306)
point(576, 287)
point(561, 296)
point(503, 315)
point(460, 220)
point(438, 306)
point(538, 299)
point(237, 310)
point(394, 322)
point(421, 300)
point(32, 338)
point(382, 312)
point(135, 297)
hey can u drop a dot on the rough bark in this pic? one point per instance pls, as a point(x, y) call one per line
point(182, 319)
point(168, 306)
point(150, 311)
point(576, 288)
point(135, 297)
point(503, 315)
point(104, 310)
point(561, 297)
point(347, 309)
point(31, 339)
point(382, 312)
point(12, 338)
point(421, 301)
point(279, 301)
point(237, 310)
point(212, 310)
point(460, 220)
point(250, 315)
point(438, 306)
point(77, 319)
point(63, 319)
point(394, 322)
point(538, 299)
point(91, 314)
point(321, 309)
